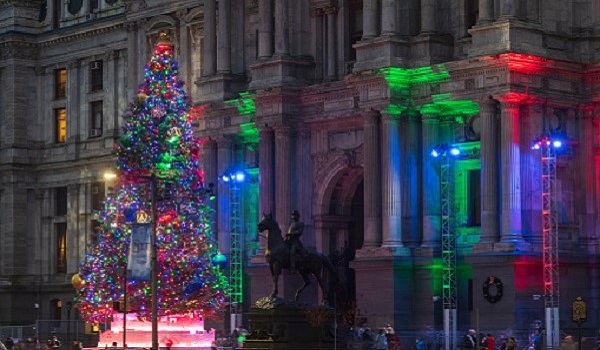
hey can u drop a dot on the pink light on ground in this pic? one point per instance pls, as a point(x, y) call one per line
point(176, 331)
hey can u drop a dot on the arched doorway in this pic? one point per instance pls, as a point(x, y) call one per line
point(339, 228)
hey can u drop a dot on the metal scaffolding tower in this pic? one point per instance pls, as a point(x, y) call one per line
point(448, 255)
point(448, 245)
point(550, 242)
point(236, 264)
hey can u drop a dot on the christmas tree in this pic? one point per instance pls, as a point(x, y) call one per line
point(158, 179)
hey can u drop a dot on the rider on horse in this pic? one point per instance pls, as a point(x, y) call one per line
point(292, 238)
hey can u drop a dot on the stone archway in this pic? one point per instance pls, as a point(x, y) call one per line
point(339, 205)
point(338, 215)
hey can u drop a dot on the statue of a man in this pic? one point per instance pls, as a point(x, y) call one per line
point(295, 230)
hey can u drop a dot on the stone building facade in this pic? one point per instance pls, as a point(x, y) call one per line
point(332, 107)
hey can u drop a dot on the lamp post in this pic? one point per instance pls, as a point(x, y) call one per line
point(154, 266)
point(69, 306)
point(449, 298)
point(110, 176)
point(36, 306)
point(125, 307)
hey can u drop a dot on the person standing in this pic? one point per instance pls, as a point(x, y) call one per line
point(512, 344)
point(469, 340)
point(491, 342)
point(9, 343)
point(381, 340)
point(54, 343)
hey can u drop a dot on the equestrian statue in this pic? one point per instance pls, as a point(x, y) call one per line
point(291, 255)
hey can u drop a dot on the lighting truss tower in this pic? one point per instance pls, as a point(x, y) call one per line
point(448, 254)
point(550, 242)
point(236, 265)
point(449, 298)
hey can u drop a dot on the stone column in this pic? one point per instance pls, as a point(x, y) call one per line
point(266, 178)
point(431, 184)
point(224, 159)
point(303, 184)
point(224, 38)
point(511, 171)
point(486, 11)
point(74, 122)
point(142, 50)
point(183, 47)
point(531, 121)
point(508, 8)
point(265, 28)
point(282, 40)
point(132, 59)
point(73, 207)
point(372, 179)
point(428, 16)
point(209, 64)
point(388, 17)
point(588, 173)
point(411, 179)
point(112, 103)
point(391, 182)
point(489, 173)
point(283, 176)
point(370, 11)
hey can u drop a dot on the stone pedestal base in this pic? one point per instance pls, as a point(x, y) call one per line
point(278, 324)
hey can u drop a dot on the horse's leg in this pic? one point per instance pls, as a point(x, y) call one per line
point(324, 291)
point(305, 284)
point(275, 275)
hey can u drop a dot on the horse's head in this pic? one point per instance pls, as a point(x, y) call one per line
point(267, 223)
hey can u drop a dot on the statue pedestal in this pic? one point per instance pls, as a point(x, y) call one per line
point(278, 324)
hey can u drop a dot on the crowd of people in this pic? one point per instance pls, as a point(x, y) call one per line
point(487, 341)
point(53, 343)
point(384, 338)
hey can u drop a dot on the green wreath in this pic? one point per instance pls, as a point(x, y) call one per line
point(496, 282)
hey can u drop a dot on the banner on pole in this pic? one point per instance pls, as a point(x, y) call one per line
point(138, 264)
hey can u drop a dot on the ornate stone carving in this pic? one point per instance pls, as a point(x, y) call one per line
point(134, 5)
point(21, 50)
point(323, 7)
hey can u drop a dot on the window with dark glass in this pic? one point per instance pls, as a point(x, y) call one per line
point(97, 195)
point(96, 119)
point(94, 6)
point(61, 247)
point(60, 203)
point(56, 309)
point(60, 83)
point(60, 125)
point(355, 8)
point(96, 75)
point(471, 12)
point(474, 193)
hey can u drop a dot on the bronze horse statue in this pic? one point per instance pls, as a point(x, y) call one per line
point(278, 257)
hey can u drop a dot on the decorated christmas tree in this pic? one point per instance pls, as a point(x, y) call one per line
point(159, 190)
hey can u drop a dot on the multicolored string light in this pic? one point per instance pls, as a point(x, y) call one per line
point(156, 147)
